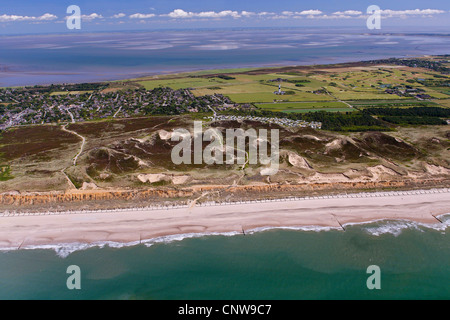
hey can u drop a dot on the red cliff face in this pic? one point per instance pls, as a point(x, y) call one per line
point(86, 196)
point(18, 201)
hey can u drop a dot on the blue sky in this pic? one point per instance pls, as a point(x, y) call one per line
point(48, 16)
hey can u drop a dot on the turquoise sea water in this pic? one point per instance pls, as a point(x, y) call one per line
point(273, 264)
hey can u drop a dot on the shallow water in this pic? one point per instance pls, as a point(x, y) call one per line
point(271, 264)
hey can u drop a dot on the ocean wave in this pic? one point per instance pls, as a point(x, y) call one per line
point(180, 237)
point(63, 250)
point(299, 228)
point(374, 228)
point(396, 227)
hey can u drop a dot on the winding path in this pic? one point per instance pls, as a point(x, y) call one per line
point(83, 142)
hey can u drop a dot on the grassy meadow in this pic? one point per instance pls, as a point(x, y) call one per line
point(324, 90)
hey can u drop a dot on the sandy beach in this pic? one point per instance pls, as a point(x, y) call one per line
point(126, 226)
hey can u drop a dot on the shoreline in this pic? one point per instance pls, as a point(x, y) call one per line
point(395, 227)
point(133, 227)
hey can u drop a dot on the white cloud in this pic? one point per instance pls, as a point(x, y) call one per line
point(247, 14)
point(180, 13)
point(47, 17)
point(309, 12)
point(14, 18)
point(118, 16)
point(142, 16)
point(90, 17)
point(392, 13)
point(337, 16)
point(262, 14)
point(348, 13)
point(297, 15)
point(222, 14)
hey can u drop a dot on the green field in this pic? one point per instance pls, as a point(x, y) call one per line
point(444, 90)
point(319, 109)
point(245, 88)
point(360, 87)
point(261, 97)
point(302, 107)
point(398, 101)
point(445, 103)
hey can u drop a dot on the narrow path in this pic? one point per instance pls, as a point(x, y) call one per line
point(71, 115)
point(63, 171)
point(83, 142)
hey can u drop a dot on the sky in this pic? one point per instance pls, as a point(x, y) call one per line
point(49, 16)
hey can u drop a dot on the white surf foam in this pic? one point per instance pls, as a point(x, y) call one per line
point(375, 228)
point(63, 250)
point(299, 228)
point(396, 227)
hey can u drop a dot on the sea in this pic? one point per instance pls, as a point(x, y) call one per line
point(88, 57)
point(268, 264)
point(309, 263)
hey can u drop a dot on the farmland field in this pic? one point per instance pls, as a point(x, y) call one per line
point(245, 88)
point(358, 86)
point(445, 103)
point(443, 90)
point(259, 97)
point(301, 107)
point(319, 109)
point(404, 102)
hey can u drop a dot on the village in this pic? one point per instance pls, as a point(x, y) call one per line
point(20, 106)
point(33, 106)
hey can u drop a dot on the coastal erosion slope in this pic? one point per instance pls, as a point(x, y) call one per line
point(133, 226)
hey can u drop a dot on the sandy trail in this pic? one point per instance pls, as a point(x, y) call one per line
point(83, 142)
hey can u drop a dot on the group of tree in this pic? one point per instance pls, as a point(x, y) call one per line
point(413, 111)
point(411, 116)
